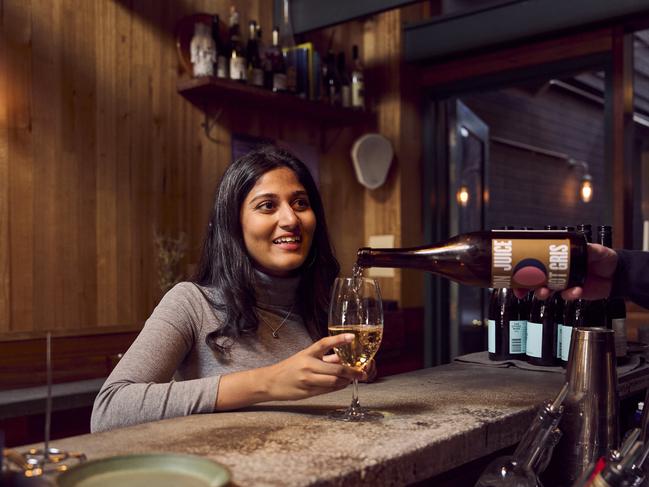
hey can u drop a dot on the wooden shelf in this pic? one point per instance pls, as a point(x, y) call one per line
point(213, 91)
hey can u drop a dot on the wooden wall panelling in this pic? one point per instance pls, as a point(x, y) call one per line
point(17, 25)
point(5, 267)
point(106, 156)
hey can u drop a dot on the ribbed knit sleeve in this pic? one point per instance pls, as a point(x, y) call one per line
point(140, 388)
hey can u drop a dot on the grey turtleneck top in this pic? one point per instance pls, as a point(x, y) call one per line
point(169, 370)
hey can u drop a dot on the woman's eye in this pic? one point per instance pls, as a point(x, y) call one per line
point(266, 205)
point(301, 204)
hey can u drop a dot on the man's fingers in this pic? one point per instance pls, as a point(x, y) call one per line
point(319, 348)
point(572, 293)
point(520, 293)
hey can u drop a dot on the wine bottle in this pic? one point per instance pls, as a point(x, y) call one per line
point(522, 469)
point(541, 347)
point(575, 311)
point(238, 67)
point(615, 305)
point(331, 80)
point(505, 328)
point(279, 67)
point(495, 258)
point(358, 81)
point(558, 306)
point(255, 74)
point(222, 52)
point(345, 82)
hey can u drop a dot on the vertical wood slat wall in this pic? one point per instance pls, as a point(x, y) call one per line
point(97, 150)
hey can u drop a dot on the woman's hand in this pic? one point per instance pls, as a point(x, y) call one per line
point(602, 262)
point(305, 374)
point(369, 371)
point(308, 373)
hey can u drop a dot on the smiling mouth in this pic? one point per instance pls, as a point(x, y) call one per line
point(289, 240)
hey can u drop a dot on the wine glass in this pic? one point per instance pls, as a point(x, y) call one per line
point(356, 307)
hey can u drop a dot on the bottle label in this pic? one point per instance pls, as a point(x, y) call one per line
point(256, 77)
point(566, 335)
point(222, 67)
point(279, 82)
point(238, 68)
point(530, 263)
point(517, 336)
point(346, 96)
point(491, 335)
point(559, 338)
point(534, 339)
point(358, 100)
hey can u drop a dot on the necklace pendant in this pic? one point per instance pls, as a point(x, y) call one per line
point(275, 335)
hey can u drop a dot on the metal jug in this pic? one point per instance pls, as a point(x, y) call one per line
point(590, 419)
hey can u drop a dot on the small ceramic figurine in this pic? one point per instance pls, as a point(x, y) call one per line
point(202, 50)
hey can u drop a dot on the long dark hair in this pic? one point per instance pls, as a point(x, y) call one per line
point(226, 267)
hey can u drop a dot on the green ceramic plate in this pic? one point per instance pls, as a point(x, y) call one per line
point(147, 470)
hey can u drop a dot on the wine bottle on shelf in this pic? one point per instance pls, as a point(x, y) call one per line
point(522, 469)
point(222, 52)
point(495, 258)
point(277, 63)
point(202, 51)
point(331, 80)
point(238, 66)
point(345, 82)
point(358, 81)
point(287, 42)
point(255, 73)
point(505, 328)
point(615, 305)
point(541, 348)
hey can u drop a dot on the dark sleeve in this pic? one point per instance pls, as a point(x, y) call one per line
point(631, 278)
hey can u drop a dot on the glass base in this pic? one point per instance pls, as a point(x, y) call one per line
point(356, 414)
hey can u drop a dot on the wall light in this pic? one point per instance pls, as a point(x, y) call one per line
point(586, 188)
point(462, 195)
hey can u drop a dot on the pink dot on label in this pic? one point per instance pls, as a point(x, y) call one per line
point(529, 276)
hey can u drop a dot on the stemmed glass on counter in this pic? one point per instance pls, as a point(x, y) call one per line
point(356, 307)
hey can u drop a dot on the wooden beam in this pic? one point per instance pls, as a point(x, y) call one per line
point(598, 42)
point(622, 138)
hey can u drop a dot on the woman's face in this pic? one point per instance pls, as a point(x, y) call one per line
point(278, 222)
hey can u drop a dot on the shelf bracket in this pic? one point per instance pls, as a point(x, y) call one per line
point(211, 119)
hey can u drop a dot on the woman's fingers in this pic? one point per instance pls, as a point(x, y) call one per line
point(322, 346)
point(332, 358)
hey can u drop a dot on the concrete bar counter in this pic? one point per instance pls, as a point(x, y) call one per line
point(435, 420)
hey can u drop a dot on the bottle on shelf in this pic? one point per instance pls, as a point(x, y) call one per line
point(495, 258)
point(277, 63)
point(358, 81)
point(255, 74)
point(345, 82)
point(222, 52)
point(331, 80)
point(522, 469)
point(287, 42)
point(202, 51)
point(238, 63)
point(541, 348)
point(505, 328)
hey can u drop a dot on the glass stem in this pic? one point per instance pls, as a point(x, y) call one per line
point(355, 406)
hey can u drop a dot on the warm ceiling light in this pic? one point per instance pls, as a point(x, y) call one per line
point(586, 188)
point(463, 195)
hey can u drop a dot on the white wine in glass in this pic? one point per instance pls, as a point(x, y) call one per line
point(356, 308)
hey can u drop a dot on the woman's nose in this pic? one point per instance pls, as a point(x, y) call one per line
point(287, 217)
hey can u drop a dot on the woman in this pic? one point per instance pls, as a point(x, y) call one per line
point(242, 332)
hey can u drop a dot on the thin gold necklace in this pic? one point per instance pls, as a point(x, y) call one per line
point(275, 330)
